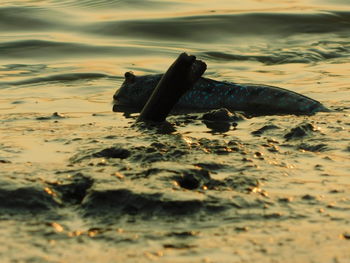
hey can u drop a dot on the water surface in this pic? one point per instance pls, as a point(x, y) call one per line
point(194, 195)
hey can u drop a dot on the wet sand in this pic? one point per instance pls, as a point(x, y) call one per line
point(82, 183)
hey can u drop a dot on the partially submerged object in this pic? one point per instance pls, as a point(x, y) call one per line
point(179, 78)
point(211, 94)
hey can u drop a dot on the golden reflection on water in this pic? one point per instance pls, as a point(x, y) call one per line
point(282, 217)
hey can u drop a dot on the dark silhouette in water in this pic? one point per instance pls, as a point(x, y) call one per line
point(179, 78)
point(211, 94)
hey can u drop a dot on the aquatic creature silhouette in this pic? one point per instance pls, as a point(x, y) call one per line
point(207, 93)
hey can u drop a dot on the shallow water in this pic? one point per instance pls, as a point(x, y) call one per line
point(76, 176)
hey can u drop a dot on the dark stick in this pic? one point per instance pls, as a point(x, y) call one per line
point(180, 77)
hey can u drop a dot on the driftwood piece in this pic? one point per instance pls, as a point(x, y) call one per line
point(180, 77)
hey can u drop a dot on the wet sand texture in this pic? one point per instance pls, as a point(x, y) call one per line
point(80, 183)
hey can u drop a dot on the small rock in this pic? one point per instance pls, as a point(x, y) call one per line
point(217, 126)
point(113, 152)
point(221, 120)
point(308, 197)
point(193, 179)
point(300, 131)
point(346, 235)
point(285, 199)
point(189, 182)
point(222, 115)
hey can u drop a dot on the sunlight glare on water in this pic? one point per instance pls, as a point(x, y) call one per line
point(76, 176)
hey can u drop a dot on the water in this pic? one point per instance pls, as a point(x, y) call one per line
point(194, 195)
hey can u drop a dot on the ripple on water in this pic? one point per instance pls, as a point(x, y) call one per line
point(216, 27)
point(236, 189)
point(318, 51)
point(64, 50)
point(26, 18)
